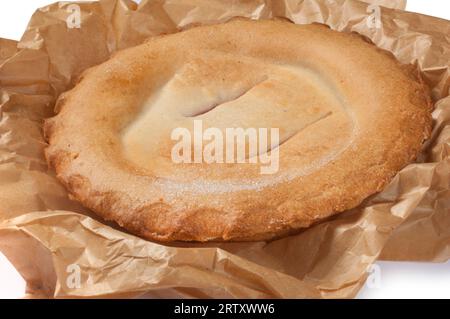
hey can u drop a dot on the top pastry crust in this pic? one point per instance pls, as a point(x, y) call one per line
point(349, 117)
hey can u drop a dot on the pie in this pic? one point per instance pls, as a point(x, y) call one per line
point(349, 116)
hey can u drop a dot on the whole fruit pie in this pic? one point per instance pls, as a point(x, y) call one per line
point(342, 117)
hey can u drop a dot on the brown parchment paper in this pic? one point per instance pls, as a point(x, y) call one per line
point(50, 238)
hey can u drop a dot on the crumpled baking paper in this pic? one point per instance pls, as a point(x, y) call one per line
point(63, 250)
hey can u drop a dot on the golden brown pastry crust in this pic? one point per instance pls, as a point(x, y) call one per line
point(377, 117)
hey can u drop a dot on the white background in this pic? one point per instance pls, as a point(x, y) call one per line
point(397, 280)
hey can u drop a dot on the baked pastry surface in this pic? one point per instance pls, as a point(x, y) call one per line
point(349, 115)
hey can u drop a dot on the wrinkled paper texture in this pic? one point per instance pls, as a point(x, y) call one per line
point(63, 250)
